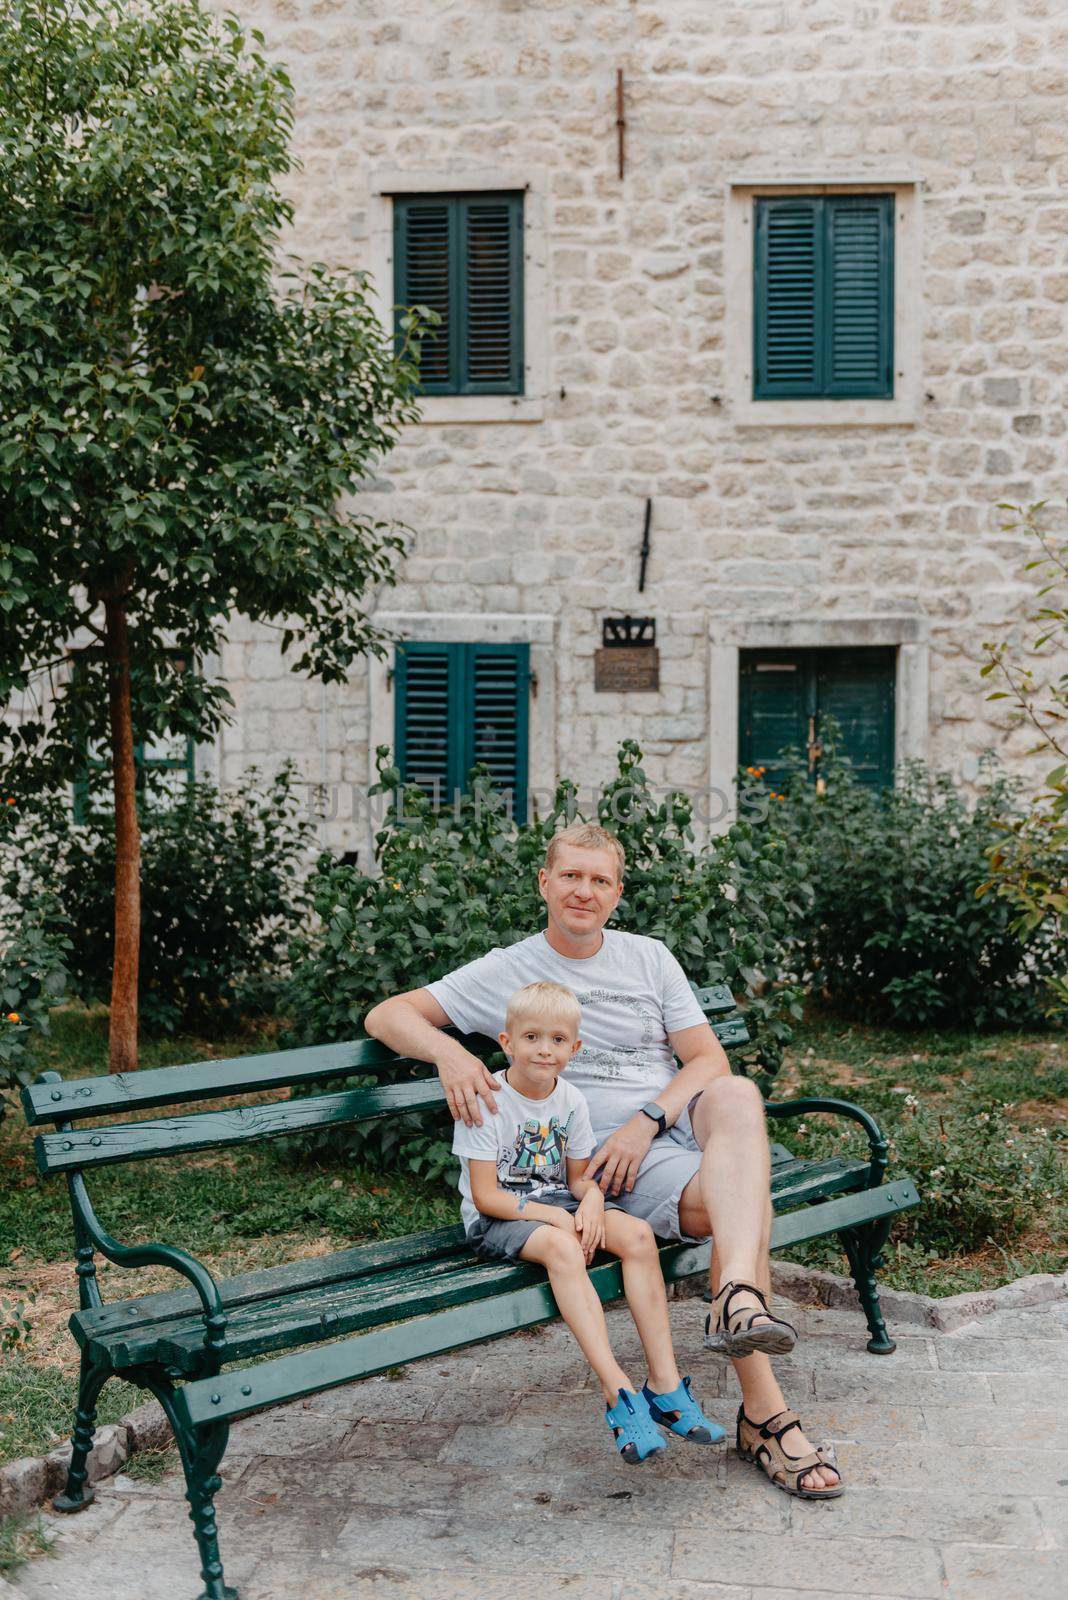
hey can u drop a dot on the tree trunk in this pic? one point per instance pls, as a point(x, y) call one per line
point(122, 1034)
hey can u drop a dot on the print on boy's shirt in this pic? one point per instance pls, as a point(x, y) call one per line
point(538, 1155)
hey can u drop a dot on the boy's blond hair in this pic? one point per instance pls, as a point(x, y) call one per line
point(544, 1002)
point(586, 836)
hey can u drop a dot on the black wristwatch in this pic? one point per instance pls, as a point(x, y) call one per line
point(656, 1114)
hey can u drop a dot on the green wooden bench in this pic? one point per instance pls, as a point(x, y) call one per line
point(327, 1321)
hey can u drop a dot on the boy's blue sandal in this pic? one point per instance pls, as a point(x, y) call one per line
point(634, 1429)
point(680, 1412)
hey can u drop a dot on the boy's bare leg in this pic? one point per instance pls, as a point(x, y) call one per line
point(561, 1255)
point(632, 1241)
point(729, 1199)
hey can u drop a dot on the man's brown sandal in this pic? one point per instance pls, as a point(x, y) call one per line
point(738, 1333)
point(761, 1442)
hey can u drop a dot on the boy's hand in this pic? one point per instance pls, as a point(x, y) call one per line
point(589, 1223)
point(563, 1219)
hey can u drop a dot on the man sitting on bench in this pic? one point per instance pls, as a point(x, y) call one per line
point(683, 1146)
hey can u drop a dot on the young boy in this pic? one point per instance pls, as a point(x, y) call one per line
point(525, 1198)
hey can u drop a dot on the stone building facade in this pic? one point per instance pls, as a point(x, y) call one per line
point(788, 526)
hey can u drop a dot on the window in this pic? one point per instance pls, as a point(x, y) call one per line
point(462, 255)
point(172, 759)
point(823, 299)
point(458, 705)
point(786, 697)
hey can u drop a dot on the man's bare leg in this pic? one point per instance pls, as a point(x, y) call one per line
point(729, 1199)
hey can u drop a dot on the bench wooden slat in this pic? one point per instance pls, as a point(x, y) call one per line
point(219, 1130)
point(212, 1080)
point(297, 1277)
point(264, 1327)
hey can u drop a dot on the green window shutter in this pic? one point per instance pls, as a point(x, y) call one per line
point(424, 733)
point(859, 296)
point(823, 302)
point(788, 310)
point(426, 259)
point(499, 689)
point(785, 693)
point(773, 710)
point(856, 688)
point(458, 705)
point(462, 255)
point(492, 305)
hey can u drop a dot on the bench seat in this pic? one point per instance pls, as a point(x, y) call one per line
point(301, 1302)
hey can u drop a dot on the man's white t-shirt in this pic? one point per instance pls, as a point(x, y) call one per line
point(633, 993)
point(530, 1140)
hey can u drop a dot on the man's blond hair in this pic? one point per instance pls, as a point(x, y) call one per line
point(544, 1002)
point(586, 836)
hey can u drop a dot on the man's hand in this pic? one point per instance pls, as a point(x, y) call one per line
point(589, 1223)
point(615, 1165)
point(464, 1077)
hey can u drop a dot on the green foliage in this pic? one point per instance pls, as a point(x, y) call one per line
point(182, 426)
point(453, 884)
point(34, 961)
point(221, 895)
point(895, 929)
point(1029, 862)
point(15, 1324)
point(992, 1173)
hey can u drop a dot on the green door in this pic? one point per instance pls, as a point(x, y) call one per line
point(786, 697)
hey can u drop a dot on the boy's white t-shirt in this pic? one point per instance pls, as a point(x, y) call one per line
point(530, 1140)
point(633, 993)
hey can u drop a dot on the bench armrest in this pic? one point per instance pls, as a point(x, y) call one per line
point(877, 1141)
point(154, 1255)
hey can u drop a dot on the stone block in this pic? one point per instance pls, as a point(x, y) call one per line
point(1001, 391)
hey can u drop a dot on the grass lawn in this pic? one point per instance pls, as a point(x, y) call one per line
point(979, 1121)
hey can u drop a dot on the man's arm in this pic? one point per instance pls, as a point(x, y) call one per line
point(411, 1025)
point(703, 1058)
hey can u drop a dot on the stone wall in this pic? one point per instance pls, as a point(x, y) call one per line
point(963, 106)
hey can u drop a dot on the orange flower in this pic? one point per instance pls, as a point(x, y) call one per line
point(13, 1016)
point(11, 800)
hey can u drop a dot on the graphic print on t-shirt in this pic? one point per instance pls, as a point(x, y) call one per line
point(538, 1155)
point(624, 1062)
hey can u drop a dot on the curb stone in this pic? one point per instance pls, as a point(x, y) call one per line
point(28, 1483)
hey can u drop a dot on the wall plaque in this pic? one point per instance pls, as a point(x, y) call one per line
point(623, 669)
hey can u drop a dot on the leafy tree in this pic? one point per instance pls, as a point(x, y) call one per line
point(1030, 865)
point(181, 420)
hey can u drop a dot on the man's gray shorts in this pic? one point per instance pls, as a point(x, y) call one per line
point(673, 1160)
point(501, 1239)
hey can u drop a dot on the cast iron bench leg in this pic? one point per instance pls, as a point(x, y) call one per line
point(863, 1245)
point(78, 1493)
point(201, 1451)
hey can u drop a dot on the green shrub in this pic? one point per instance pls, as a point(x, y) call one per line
point(895, 929)
point(221, 894)
point(34, 953)
point(453, 884)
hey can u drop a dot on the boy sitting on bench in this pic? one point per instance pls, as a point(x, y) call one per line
point(526, 1198)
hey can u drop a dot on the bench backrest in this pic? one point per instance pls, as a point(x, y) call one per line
point(72, 1148)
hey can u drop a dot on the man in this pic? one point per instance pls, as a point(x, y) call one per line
point(683, 1146)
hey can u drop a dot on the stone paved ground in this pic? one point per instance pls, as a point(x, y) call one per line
point(491, 1474)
